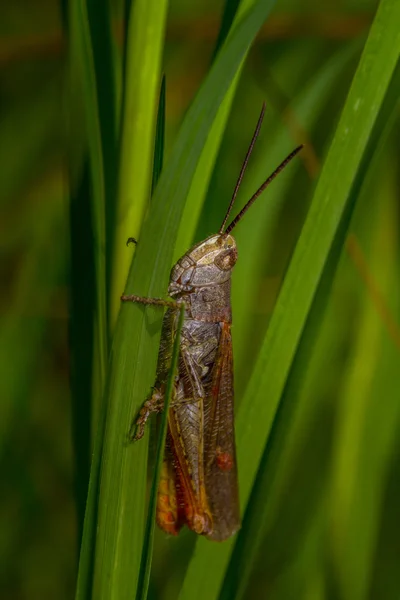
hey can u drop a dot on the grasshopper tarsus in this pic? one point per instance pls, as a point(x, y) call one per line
point(154, 404)
point(137, 428)
point(136, 433)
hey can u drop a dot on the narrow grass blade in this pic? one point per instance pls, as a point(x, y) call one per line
point(260, 509)
point(87, 551)
point(144, 47)
point(147, 552)
point(123, 480)
point(81, 337)
point(262, 503)
point(99, 20)
point(91, 71)
point(91, 64)
point(145, 566)
point(201, 179)
point(228, 16)
point(160, 136)
point(366, 430)
point(330, 200)
point(262, 500)
point(256, 232)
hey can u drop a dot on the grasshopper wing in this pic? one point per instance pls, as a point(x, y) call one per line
point(185, 445)
point(219, 444)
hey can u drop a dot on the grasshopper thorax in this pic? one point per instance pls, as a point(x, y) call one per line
point(208, 263)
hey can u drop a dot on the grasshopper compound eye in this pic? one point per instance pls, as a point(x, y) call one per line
point(226, 259)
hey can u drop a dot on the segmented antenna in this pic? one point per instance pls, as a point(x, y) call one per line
point(243, 169)
point(261, 188)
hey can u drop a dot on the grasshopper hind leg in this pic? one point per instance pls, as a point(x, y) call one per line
point(169, 515)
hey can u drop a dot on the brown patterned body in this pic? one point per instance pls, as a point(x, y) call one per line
point(197, 487)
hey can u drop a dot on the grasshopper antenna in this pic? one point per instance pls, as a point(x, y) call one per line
point(262, 188)
point(243, 169)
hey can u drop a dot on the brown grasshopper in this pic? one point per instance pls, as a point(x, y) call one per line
point(198, 485)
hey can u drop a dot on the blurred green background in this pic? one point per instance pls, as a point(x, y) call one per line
point(332, 526)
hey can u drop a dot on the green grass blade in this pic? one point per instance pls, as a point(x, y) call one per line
point(81, 337)
point(383, 488)
point(91, 59)
point(144, 49)
point(91, 69)
point(202, 176)
point(255, 234)
point(359, 472)
point(230, 9)
point(133, 357)
point(160, 136)
point(262, 502)
point(201, 179)
point(99, 17)
point(272, 471)
point(145, 566)
point(330, 200)
point(147, 552)
point(86, 557)
point(265, 495)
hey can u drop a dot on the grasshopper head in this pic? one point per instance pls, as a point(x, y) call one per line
point(208, 263)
